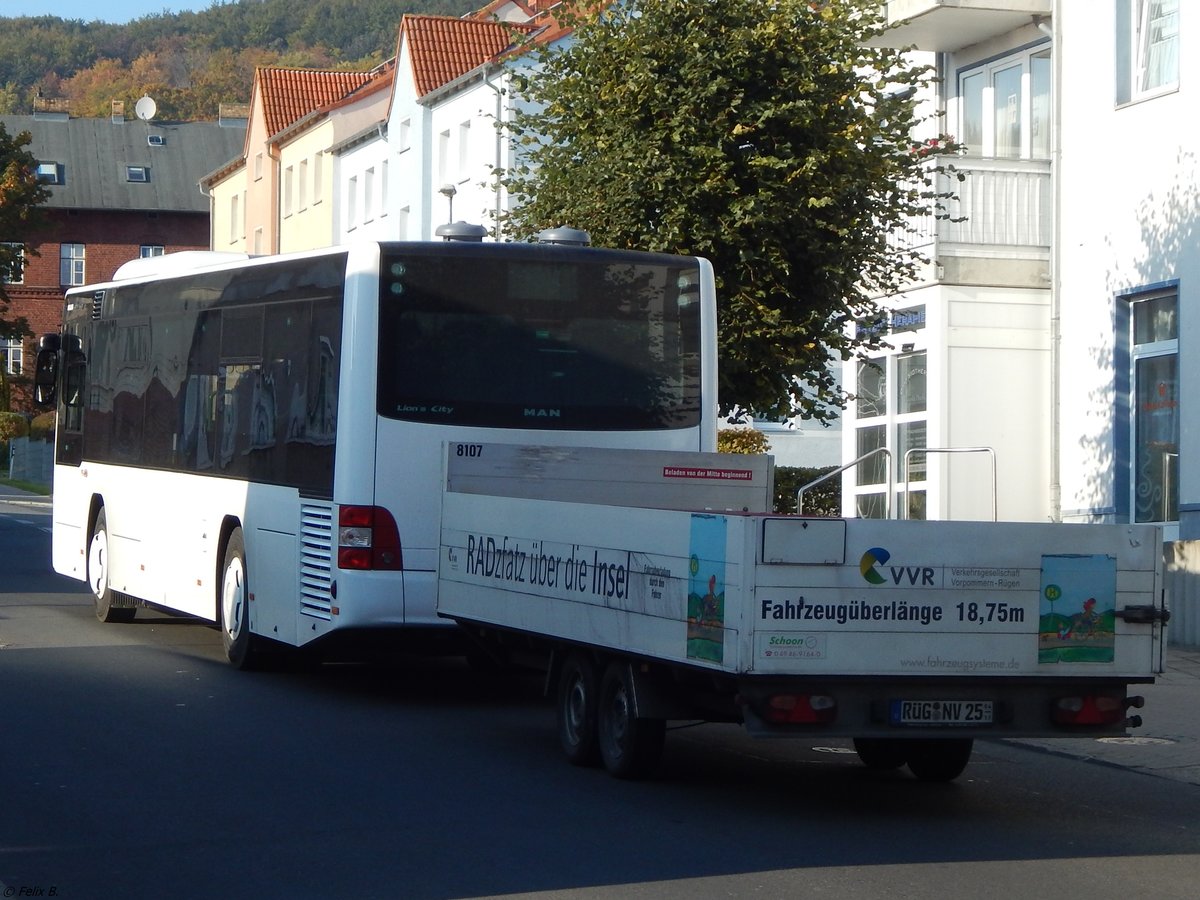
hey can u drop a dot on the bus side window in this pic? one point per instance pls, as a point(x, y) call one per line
point(73, 386)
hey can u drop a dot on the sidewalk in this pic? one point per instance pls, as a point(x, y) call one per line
point(1168, 743)
point(16, 495)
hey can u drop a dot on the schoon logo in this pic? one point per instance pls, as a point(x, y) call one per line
point(873, 557)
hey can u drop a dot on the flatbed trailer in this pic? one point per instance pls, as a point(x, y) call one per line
point(655, 586)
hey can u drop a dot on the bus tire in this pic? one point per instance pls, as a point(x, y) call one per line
point(233, 605)
point(939, 759)
point(578, 694)
point(98, 575)
point(630, 747)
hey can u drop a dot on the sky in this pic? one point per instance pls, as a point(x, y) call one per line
point(115, 11)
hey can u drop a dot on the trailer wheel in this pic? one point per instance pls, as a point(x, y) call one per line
point(98, 574)
point(233, 605)
point(578, 693)
point(939, 759)
point(630, 747)
point(882, 754)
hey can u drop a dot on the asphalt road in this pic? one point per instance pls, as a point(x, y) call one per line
point(135, 763)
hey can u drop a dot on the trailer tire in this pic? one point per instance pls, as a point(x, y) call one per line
point(881, 754)
point(630, 747)
point(98, 572)
point(578, 695)
point(939, 759)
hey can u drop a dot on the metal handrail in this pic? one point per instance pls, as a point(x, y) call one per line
point(927, 450)
point(850, 465)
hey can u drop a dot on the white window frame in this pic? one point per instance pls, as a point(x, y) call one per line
point(443, 158)
point(1148, 32)
point(146, 251)
point(288, 187)
point(1140, 352)
point(1025, 110)
point(49, 172)
point(20, 279)
point(368, 212)
point(464, 150)
point(893, 422)
point(352, 203)
point(13, 352)
point(72, 264)
point(383, 188)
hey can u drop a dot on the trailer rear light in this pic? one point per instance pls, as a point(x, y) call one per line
point(1089, 709)
point(368, 539)
point(800, 709)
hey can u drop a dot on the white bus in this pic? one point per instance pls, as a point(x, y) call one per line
point(259, 442)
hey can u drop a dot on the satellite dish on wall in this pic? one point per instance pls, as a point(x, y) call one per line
point(145, 109)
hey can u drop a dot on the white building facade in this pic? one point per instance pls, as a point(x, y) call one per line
point(443, 138)
point(1049, 339)
point(1129, 263)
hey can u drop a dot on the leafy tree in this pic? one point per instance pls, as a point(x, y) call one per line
point(92, 90)
point(10, 98)
point(742, 440)
point(767, 137)
point(21, 196)
point(44, 52)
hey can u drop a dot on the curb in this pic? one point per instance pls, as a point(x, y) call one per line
point(1168, 743)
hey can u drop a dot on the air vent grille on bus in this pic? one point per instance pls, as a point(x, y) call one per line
point(316, 560)
point(97, 304)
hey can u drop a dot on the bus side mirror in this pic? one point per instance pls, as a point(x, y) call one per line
point(45, 374)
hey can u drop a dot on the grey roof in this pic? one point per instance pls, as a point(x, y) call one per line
point(92, 156)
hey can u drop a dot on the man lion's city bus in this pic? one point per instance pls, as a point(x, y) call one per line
point(259, 442)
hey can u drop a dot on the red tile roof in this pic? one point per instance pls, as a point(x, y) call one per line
point(381, 78)
point(289, 94)
point(443, 48)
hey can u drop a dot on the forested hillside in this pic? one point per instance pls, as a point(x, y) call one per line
point(191, 62)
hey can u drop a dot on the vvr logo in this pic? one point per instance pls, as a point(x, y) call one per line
point(874, 556)
point(877, 556)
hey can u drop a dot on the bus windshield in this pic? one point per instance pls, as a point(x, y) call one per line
point(528, 336)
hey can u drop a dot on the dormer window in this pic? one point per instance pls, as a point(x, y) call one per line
point(49, 173)
point(137, 174)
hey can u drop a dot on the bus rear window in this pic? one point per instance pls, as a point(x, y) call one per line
point(556, 338)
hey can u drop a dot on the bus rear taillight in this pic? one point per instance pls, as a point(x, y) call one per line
point(367, 539)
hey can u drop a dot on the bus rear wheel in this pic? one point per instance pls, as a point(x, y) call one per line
point(98, 574)
point(234, 605)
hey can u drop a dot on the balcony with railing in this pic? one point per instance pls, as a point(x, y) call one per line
point(1000, 210)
